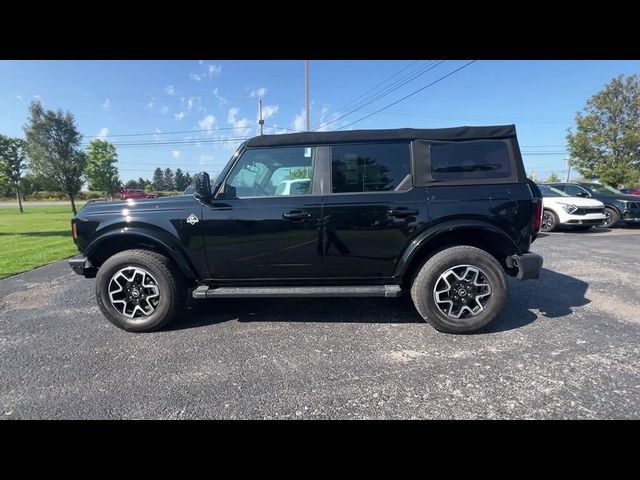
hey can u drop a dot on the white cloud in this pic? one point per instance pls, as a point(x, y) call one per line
point(175, 154)
point(195, 76)
point(150, 104)
point(106, 105)
point(325, 118)
point(299, 122)
point(19, 97)
point(204, 159)
point(157, 137)
point(37, 97)
point(171, 90)
point(219, 97)
point(214, 70)
point(233, 113)
point(207, 123)
point(179, 116)
point(102, 134)
point(242, 125)
point(164, 110)
point(269, 111)
point(261, 92)
point(189, 103)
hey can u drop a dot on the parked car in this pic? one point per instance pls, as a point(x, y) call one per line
point(630, 191)
point(296, 186)
point(443, 215)
point(135, 194)
point(618, 206)
point(562, 210)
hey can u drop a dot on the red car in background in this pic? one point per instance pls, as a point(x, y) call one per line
point(631, 191)
point(135, 194)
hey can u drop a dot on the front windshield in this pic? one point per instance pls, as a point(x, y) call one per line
point(603, 189)
point(548, 191)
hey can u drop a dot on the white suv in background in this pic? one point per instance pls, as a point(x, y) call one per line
point(561, 209)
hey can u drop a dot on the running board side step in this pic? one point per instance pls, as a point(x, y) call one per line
point(204, 291)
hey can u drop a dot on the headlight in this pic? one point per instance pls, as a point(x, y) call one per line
point(569, 208)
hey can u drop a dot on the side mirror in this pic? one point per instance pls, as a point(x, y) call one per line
point(582, 194)
point(203, 185)
point(230, 191)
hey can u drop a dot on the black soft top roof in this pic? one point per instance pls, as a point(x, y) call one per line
point(450, 134)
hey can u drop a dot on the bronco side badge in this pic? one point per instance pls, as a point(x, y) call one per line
point(192, 219)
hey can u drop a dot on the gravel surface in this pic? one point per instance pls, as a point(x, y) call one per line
point(565, 346)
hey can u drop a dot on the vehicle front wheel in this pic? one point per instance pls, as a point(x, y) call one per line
point(140, 290)
point(460, 289)
point(612, 217)
point(550, 221)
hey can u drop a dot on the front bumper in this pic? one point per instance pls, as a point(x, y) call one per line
point(528, 265)
point(82, 266)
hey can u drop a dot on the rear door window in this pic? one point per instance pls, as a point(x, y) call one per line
point(383, 167)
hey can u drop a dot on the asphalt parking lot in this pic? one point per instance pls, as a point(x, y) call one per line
point(566, 346)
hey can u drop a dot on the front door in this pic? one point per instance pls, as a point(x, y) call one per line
point(269, 226)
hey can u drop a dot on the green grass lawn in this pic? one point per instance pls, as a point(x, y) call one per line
point(39, 236)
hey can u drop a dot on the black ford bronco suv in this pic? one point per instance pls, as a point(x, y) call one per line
point(444, 214)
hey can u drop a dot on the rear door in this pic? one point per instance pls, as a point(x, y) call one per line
point(372, 210)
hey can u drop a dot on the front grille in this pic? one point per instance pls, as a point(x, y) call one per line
point(634, 205)
point(588, 210)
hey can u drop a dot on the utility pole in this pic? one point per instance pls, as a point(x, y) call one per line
point(260, 120)
point(306, 82)
point(568, 167)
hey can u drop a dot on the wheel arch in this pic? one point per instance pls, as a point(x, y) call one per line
point(117, 240)
point(484, 236)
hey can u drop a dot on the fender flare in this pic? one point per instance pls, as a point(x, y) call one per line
point(166, 242)
point(425, 238)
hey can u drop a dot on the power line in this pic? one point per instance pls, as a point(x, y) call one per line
point(410, 95)
point(165, 133)
point(378, 85)
point(383, 93)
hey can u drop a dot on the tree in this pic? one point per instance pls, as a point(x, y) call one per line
point(304, 173)
point(606, 143)
point(180, 180)
point(132, 184)
point(158, 179)
point(142, 183)
point(553, 178)
point(53, 148)
point(12, 158)
point(188, 179)
point(102, 173)
point(169, 180)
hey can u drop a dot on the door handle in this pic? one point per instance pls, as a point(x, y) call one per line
point(296, 216)
point(401, 212)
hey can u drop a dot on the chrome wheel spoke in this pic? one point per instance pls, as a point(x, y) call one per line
point(462, 291)
point(134, 292)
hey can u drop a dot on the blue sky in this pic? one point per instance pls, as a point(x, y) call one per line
point(212, 103)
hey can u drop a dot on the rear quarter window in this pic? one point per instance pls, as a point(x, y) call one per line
point(470, 160)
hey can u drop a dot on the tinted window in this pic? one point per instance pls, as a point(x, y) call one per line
point(370, 168)
point(573, 190)
point(469, 160)
point(548, 191)
point(268, 171)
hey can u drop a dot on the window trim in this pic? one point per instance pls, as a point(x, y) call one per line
point(220, 194)
point(422, 154)
point(375, 192)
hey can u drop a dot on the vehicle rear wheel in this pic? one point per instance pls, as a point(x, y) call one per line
point(612, 217)
point(140, 290)
point(460, 289)
point(550, 221)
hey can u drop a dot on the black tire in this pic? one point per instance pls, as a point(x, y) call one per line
point(550, 221)
point(613, 217)
point(170, 283)
point(424, 283)
point(583, 227)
